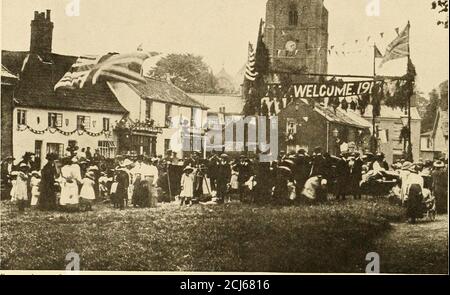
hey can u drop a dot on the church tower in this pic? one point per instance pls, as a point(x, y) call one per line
point(296, 35)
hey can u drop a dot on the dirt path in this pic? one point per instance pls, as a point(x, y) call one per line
point(419, 248)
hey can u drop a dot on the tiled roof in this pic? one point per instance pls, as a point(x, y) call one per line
point(165, 92)
point(38, 75)
point(233, 104)
point(340, 116)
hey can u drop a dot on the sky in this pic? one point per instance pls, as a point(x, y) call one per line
point(220, 30)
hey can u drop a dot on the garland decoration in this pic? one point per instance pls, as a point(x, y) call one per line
point(53, 130)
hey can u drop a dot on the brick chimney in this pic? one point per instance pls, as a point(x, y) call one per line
point(41, 33)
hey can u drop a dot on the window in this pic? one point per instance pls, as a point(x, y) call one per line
point(107, 148)
point(21, 117)
point(168, 114)
point(148, 109)
point(83, 122)
point(166, 145)
point(106, 124)
point(54, 120)
point(293, 16)
point(57, 148)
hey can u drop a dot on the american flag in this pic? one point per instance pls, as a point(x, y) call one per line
point(88, 70)
point(250, 73)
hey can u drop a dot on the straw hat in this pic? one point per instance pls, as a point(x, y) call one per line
point(90, 174)
point(37, 173)
point(406, 165)
point(188, 168)
point(438, 164)
point(126, 163)
point(93, 168)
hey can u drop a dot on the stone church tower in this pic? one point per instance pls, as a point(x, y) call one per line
point(296, 35)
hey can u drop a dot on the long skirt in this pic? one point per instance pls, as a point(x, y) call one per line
point(69, 194)
point(414, 205)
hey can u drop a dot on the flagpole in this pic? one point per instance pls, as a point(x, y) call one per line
point(409, 152)
point(374, 138)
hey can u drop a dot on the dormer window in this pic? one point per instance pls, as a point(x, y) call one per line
point(293, 16)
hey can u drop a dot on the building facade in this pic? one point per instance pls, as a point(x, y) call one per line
point(164, 117)
point(440, 134)
point(8, 82)
point(388, 129)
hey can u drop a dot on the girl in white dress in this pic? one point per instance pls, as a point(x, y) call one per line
point(87, 193)
point(34, 182)
point(187, 186)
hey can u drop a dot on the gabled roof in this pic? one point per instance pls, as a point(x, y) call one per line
point(443, 116)
point(38, 76)
point(165, 92)
point(340, 116)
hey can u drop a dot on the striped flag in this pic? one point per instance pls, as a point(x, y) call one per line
point(250, 72)
point(88, 70)
point(399, 47)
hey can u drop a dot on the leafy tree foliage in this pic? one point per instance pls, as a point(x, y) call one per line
point(187, 71)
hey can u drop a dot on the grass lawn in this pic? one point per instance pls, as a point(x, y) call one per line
point(329, 238)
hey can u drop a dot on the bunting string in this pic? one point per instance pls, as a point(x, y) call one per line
point(53, 130)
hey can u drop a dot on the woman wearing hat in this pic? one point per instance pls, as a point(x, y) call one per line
point(6, 168)
point(21, 187)
point(414, 186)
point(404, 173)
point(70, 178)
point(47, 187)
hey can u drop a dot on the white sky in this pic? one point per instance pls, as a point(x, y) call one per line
point(220, 30)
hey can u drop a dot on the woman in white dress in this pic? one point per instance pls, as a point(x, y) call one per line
point(70, 179)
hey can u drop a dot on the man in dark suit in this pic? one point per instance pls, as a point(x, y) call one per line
point(355, 165)
point(342, 177)
point(318, 163)
point(302, 169)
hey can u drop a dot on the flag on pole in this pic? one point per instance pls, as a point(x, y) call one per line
point(88, 70)
point(399, 47)
point(250, 73)
point(377, 52)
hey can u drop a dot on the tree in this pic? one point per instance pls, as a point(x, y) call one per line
point(430, 113)
point(442, 7)
point(438, 99)
point(187, 71)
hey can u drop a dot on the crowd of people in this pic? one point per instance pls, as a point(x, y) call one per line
point(79, 180)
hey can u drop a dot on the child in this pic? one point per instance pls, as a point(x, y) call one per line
point(103, 185)
point(187, 186)
point(234, 183)
point(21, 190)
point(87, 194)
point(113, 193)
point(34, 183)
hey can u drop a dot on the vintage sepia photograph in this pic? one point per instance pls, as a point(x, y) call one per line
point(224, 136)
